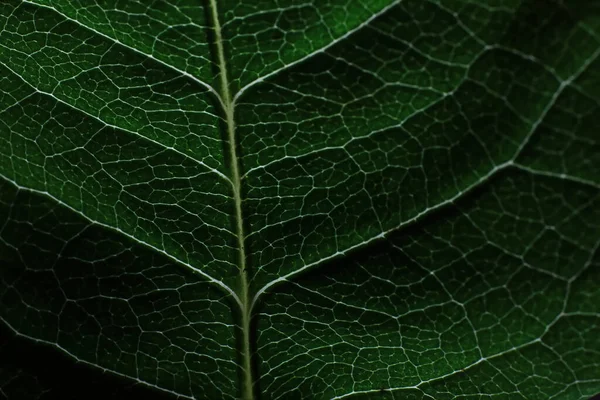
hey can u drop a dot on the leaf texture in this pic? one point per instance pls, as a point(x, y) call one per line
point(300, 200)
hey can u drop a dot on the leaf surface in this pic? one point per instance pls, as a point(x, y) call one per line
point(300, 200)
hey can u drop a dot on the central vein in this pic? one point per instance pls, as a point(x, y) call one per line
point(247, 390)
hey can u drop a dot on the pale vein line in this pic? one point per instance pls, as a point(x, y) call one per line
point(318, 51)
point(247, 389)
point(106, 124)
point(115, 40)
point(563, 176)
point(226, 288)
point(93, 365)
point(563, 85)
point(418, 386)
point(482, 180)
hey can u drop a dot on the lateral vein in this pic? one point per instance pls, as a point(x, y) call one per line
point(129, 47)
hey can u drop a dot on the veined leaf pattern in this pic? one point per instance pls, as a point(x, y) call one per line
point(299, 199)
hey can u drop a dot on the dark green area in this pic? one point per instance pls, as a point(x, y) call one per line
point(30, 371)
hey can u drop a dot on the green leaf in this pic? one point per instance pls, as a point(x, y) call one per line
point(299, 200)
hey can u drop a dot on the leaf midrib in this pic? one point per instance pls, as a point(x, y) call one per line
point(234, 164)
